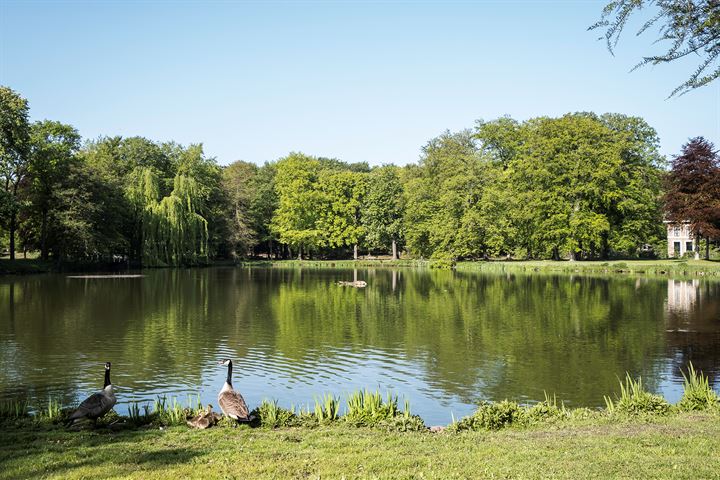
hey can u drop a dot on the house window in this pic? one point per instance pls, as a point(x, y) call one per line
point(677, 231)
point(688, 246)
point(677, 248)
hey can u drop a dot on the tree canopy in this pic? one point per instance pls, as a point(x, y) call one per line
point(687, 27)
point(581, 185)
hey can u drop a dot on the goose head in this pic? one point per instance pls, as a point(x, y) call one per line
point(226, 362)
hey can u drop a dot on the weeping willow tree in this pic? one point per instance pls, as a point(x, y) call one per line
point(172, 231)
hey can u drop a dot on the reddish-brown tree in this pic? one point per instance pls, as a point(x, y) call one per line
point(693, 190)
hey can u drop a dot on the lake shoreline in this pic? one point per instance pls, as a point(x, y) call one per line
point(680, 267)
point(678, 446)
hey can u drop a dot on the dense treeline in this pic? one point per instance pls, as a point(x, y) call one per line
point(579, 186)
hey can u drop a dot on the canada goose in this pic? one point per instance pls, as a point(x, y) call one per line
point(231, 402)
point(97, 404)
point(205, 419)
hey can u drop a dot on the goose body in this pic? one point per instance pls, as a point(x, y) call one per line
point(97, 404)
point(231, 402)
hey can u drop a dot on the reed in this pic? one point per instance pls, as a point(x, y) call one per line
point(697, 393)
point(52, 410)
point(327, 408)
point(273, 416)
point(14, 409)
point(635, 400)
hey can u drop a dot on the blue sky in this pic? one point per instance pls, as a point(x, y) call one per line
point(359, 81)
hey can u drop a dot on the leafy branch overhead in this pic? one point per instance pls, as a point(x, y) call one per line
point(687, 27)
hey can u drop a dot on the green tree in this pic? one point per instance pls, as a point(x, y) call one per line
point(689, 27)
point(343, 193)
point(14, 156)
point(239, 182)
point(263, 205)
point(53, 147)
point(440, 194)
point(299, 203)
point(383, 209)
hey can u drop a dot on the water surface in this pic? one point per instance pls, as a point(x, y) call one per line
point(446, 340)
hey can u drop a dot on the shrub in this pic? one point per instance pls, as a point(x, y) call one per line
point(273, 416)
point(491, 416)
point(545, 411)
point(635, 400)
point(697, 392)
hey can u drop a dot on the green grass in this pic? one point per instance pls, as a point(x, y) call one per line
point(678, 446)
point(675, 268)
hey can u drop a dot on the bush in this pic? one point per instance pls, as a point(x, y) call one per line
point(697, 392)
point(273, 416)
point(635, 400)
point(491, 416)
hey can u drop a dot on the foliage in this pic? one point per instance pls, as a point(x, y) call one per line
point(693, 189)
point(697, 394)
point(327, 408)
point(635, 400)
point(383, 209)
point(14, 157)
point(14, 409)
point(491, 416)
point(273, 416)
point(688, 27)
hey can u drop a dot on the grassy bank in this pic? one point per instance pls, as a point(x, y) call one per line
point(680, 267)
point(682, 446)
point(638, 435)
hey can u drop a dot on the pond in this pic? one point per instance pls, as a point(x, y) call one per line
point(445, 340)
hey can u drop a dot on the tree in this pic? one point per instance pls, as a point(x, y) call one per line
point(53, 146)
point(264, 204)
point(238, 182)
point(14, 156)
point(343, 193)
point(383, 209)
point(690, 27)
point(299, 203)
point(439, 194)
point(693, 190)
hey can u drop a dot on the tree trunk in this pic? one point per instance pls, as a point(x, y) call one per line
point(394, 250)
point(697, 247)
point(707, 249)
point(13, 219)
point(355, 252)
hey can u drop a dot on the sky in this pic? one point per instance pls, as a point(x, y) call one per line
point(359, 81)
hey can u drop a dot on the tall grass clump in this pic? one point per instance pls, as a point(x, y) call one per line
point(52, 411)
point(546, 411)
point(273, 416)
point(635, 400)
point(365, 408)
point(697, 393)
point(14, 409)
point(491, 416)
point(172, 413)
point(138, 417)
point(327, 408)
